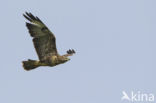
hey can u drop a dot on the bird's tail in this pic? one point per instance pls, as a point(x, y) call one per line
point(30, 64)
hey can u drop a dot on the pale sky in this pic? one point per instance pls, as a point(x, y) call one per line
point(115, 41)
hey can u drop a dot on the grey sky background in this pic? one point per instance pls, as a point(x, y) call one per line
point(115, 41)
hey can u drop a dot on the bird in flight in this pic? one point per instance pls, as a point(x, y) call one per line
point(45, 45)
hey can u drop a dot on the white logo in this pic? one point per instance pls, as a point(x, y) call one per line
point(137, 97)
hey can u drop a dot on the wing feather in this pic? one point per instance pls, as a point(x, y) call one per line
point(43, 39)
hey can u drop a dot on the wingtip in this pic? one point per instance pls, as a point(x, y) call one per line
point(27, 13)
point(29, 16)
point(71, 51)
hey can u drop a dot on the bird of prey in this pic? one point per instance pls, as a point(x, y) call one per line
point(45, 45)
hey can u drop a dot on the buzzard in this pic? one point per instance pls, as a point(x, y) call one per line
point(45, 45)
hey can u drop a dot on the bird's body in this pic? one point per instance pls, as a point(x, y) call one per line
point(45, 45)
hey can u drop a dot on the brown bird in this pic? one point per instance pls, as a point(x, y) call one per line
point(45, 45)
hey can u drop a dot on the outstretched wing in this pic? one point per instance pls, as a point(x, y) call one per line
point(43, 39)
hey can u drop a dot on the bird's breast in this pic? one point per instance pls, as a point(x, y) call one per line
point(54, 60)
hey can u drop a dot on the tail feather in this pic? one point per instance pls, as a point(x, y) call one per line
point(30, 64)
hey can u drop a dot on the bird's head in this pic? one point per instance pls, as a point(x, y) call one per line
point(64, 58)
